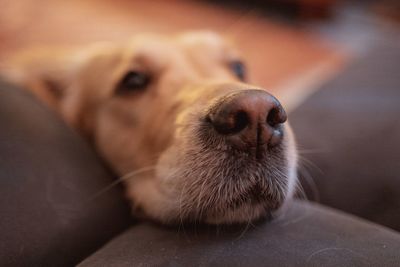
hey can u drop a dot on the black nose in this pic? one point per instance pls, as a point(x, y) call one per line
point(249, 118)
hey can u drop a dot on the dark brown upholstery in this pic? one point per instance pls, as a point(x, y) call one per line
point(308, 235)
point(350, 132)
point(47, 176)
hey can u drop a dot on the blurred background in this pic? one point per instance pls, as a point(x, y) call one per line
point(289, 44)
point(347, 50)
point(270, 33)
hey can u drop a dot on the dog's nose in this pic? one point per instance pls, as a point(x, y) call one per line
point(249, 118)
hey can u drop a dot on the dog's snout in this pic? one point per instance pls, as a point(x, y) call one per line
point(250, 118)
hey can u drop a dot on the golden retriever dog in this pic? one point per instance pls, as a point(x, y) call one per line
point(176, 117)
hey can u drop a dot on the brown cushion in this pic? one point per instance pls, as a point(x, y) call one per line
point(350, 132)
point(307, 235)
point(47, 177)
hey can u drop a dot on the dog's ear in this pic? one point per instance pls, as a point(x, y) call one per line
point(46, 73)
point(52, 76)
point(55, 77)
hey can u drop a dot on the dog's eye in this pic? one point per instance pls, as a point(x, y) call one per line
point(133, 81)
point(238, 69)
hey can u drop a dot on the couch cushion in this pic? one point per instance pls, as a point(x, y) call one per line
point(47, 178)
point(350, 132)
point(307, 235)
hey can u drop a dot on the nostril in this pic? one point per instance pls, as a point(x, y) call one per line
point(276, 116)
point(241, 121)
point(231, 124)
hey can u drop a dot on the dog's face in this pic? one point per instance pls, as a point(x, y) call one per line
point(177, 114)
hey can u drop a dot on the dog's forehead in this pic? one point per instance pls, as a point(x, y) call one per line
point(207, 38)
point(189, 41)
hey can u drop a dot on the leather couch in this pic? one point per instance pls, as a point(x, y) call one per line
point(349, 132)
point(51, 215)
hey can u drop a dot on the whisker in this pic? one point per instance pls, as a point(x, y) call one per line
point(181, 219)
point(121, 179)
point(308, 179)
point(304, 162)
point(301, 194)
point(309, 151)
point(248, 225)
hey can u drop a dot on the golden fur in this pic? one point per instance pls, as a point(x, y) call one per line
point(155, 132)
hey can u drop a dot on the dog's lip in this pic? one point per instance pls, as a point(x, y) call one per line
point(249, 152)
point(258, 152)
point(249, 200)
point(256, 198)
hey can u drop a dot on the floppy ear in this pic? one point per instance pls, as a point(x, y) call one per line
point(46, 73)
point(56, 77)
point(52, 76)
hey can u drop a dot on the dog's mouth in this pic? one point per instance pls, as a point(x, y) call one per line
point(237, 186)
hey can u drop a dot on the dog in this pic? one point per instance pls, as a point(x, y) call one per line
point(176, 116)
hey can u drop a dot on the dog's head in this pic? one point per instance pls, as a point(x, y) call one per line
point(176, 113)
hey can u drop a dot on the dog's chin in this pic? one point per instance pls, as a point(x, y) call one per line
point(249, 189)
point(246, 213)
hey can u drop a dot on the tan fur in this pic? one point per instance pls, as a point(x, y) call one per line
point(158, 127)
